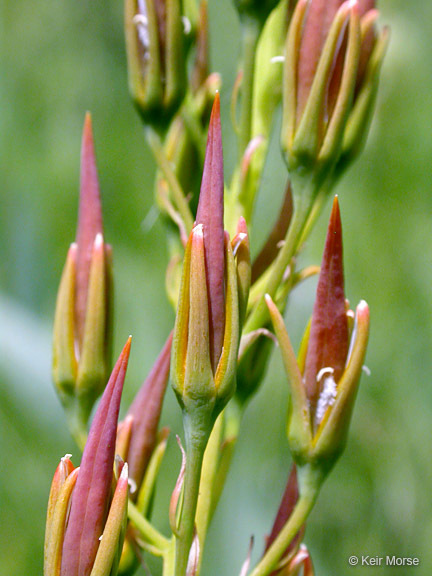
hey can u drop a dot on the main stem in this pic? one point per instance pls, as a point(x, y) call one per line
point(303, 204)
point(250, 35)
point(197, 435)
point(165, 166)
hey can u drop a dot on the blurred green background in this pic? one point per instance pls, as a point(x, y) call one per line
point(60, 58)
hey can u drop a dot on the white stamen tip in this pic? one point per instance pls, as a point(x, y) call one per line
point(277, 59)
point(187, 26)
point(67, 457)
point(326, 370)
point(100, 537)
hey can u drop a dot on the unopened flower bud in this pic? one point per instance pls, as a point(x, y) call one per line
point(82, 324)
point(330, 48)
point(142, 418)
point(156, 60)
point(325, 380)
point(318, 91)
point(206, 333)
point(92, 512)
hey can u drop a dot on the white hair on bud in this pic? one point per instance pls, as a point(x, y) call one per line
point(366, 370)
point(326, 370)
point(141, 22)
point(187, 26)
point(328, 395)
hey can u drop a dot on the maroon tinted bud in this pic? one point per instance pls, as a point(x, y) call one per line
point(92, 491)
point(210, 215)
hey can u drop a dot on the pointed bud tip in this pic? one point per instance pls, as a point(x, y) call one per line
point(87, 124)
point(98, 243)
point(198, 231)
point(72, 252)
point(215, 114)
point(362, 309)
point(269, 301)
point(335, 224)
point(126, 349)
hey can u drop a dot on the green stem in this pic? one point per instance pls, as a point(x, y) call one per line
point(250, 34)
point(146, 529)
point(197, 432)
point(173, 183)
point(169, 559)
point(77, 417)
point(276, 551)
point(195, 130)
point(303, 203)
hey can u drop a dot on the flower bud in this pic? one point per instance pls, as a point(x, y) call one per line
point(156, 60)
point(331, 79)
point(319, 81)
point(325, 380)
point(82, 324)
point(143, 416)
point(83, 550)
point(58, 505)
point(206, 333)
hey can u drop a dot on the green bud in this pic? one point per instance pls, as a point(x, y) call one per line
point(195, 383)
point(156, 60)
point(311, 133)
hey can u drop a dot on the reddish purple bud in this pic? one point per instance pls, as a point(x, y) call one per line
point(89, 223)
point(210, 215)
point(92, 492)
point(145, 411)
point(319, 19)
point(329, 336)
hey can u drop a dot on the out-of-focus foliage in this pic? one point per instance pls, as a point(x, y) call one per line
point(59, 59)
